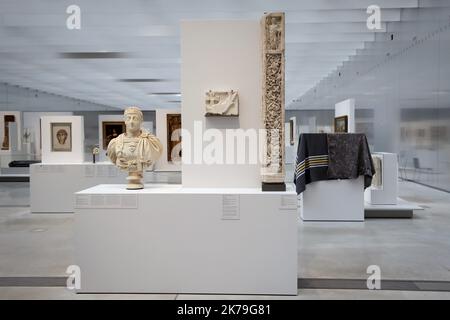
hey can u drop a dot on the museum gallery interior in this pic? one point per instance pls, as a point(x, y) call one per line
point(221, 149)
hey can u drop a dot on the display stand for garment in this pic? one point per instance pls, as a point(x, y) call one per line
point(333, 200)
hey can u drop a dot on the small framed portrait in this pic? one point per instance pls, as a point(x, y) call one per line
point(61, 136)
point(341, 124)
point(111, 130)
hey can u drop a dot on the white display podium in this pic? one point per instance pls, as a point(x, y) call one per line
point(170, 239)
point(333, 200)
point(52, 185)
point(403, 209)
point(382, 201)
point(388, 192)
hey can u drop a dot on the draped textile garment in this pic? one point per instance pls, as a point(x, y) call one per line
point(312, 160)
point(349, 157)
point(322, 156)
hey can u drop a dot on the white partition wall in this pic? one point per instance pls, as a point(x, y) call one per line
point(346, 108)
point(221, 56)
point(290, 149)
point(77, 128)
point(161, 132)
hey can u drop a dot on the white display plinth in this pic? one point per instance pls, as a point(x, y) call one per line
point(52, 185)
point(403, 209)
point(388, 193)
point(333, 200)
point(170, 239)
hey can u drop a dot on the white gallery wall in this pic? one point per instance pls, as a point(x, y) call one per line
point(161, 132)
point(77, 153)
point(220, 55)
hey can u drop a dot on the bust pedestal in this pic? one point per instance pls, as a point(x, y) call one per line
point(135, 180)
point(170, 239)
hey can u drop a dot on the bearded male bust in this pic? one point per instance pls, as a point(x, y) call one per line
point(134, 150)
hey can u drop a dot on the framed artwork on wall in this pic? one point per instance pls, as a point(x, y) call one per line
point(341, 124)
point(6, 121)
point(61, 134)
point(173, 137)
point(111, 130)
point(222, 103)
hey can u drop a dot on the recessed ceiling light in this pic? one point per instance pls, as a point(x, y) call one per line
point(93, 55)
point(141, 80)
point(178, 94)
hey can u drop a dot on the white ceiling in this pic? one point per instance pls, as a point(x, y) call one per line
point(140, 40)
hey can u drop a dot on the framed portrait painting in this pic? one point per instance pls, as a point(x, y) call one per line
point(173, 137)
point(61, 134)
point(6, 121)
point(341, 124)
point(111, 130)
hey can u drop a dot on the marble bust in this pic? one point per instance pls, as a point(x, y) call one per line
point(134, 150)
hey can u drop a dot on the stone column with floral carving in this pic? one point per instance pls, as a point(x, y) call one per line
point(273, 169)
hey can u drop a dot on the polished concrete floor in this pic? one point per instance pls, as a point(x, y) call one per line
point(40, 245)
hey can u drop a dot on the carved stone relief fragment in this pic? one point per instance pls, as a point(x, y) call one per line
point(221, 103)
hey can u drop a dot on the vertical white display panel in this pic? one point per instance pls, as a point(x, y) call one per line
point(388, 192)
point(161, 132)
point(333, 200)
point(312, 125)
point(290, 149)
point(220, 56)
point(14, 136)
point(77, 132)
point(346, 108)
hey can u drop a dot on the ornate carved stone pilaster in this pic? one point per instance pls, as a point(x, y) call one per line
point(273, 170)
